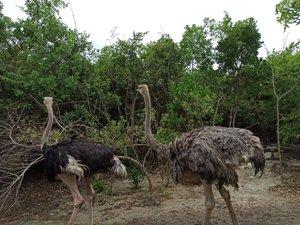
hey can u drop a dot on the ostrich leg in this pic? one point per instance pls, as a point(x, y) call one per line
point(70, 181)
point(91, 198)
point(226, 196)
point(209, 201)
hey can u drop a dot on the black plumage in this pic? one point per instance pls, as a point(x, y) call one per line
point(93, 157)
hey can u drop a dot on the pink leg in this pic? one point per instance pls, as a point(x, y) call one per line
point(70, 181)
point(209, 201)
point(91, 198)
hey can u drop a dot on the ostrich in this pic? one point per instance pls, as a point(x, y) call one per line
point(74, 160)
point(207, 156)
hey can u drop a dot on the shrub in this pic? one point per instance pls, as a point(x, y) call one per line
point(136, 176)
point(102, 186)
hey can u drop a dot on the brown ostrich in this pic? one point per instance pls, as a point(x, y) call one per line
point(70, 161)
point(207, 156)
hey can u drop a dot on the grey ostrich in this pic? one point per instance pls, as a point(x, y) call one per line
point(207, 156)
point(74, 160)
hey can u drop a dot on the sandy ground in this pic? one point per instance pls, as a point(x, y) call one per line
point(258, 202)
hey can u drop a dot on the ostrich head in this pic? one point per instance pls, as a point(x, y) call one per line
point(143, 89)
point(48, 103)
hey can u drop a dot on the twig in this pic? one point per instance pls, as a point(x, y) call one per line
point(18, 144)
point(75, 24)
point(36, 101)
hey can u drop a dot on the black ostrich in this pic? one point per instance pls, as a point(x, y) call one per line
point(74, 160)
point(207, 156)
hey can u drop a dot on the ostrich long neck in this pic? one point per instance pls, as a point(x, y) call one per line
point(150, 138)
point(49, 125)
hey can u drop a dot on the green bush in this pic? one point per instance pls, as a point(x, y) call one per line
point(136, 176)
point(102, 186)
point(114, 134)
point(290, 128)
point(41, 56)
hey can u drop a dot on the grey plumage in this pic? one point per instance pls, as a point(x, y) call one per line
point(213, 152)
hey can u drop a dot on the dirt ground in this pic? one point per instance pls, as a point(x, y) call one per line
point(258, 202)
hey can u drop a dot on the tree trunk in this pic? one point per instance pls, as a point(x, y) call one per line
point(278, 138)
point(216, 110)
point(234, 117)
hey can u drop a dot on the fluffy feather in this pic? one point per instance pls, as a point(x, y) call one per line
point(74, 167)
point(118, 168)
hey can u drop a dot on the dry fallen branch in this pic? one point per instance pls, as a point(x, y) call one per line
point(16, 159)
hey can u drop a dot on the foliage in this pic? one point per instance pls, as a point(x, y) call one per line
point(212, 75)
point(288, 12)
point(44, 57)
point(102, 186)
point(163, 65)
point(286, 67)
point(113, 134)
point(196, 48)
point(136, 176)
point(238, 43)
point(192, 103)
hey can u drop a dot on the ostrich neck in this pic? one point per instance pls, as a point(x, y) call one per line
point(48, 127)
point(148, 116)
point(150, 138)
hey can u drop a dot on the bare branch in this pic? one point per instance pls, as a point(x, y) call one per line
point(284, 94)
point(18, 144)
point(15, 159)
point(36, 101)
point(273, 82)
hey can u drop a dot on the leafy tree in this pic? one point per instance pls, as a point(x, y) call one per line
point(6, 52)
point(163, 60)
point(191, 105)
point(286, 77)
point(237, 43)
point(288, 12)
point(196, 48)
point(212, 76)
point(121, 65)
point(236, 52)
point(163, 65)
point(45, 57)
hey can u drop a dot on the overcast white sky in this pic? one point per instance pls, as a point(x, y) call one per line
point(99, 17)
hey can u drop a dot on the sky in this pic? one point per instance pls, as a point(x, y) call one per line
point(99, 17)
